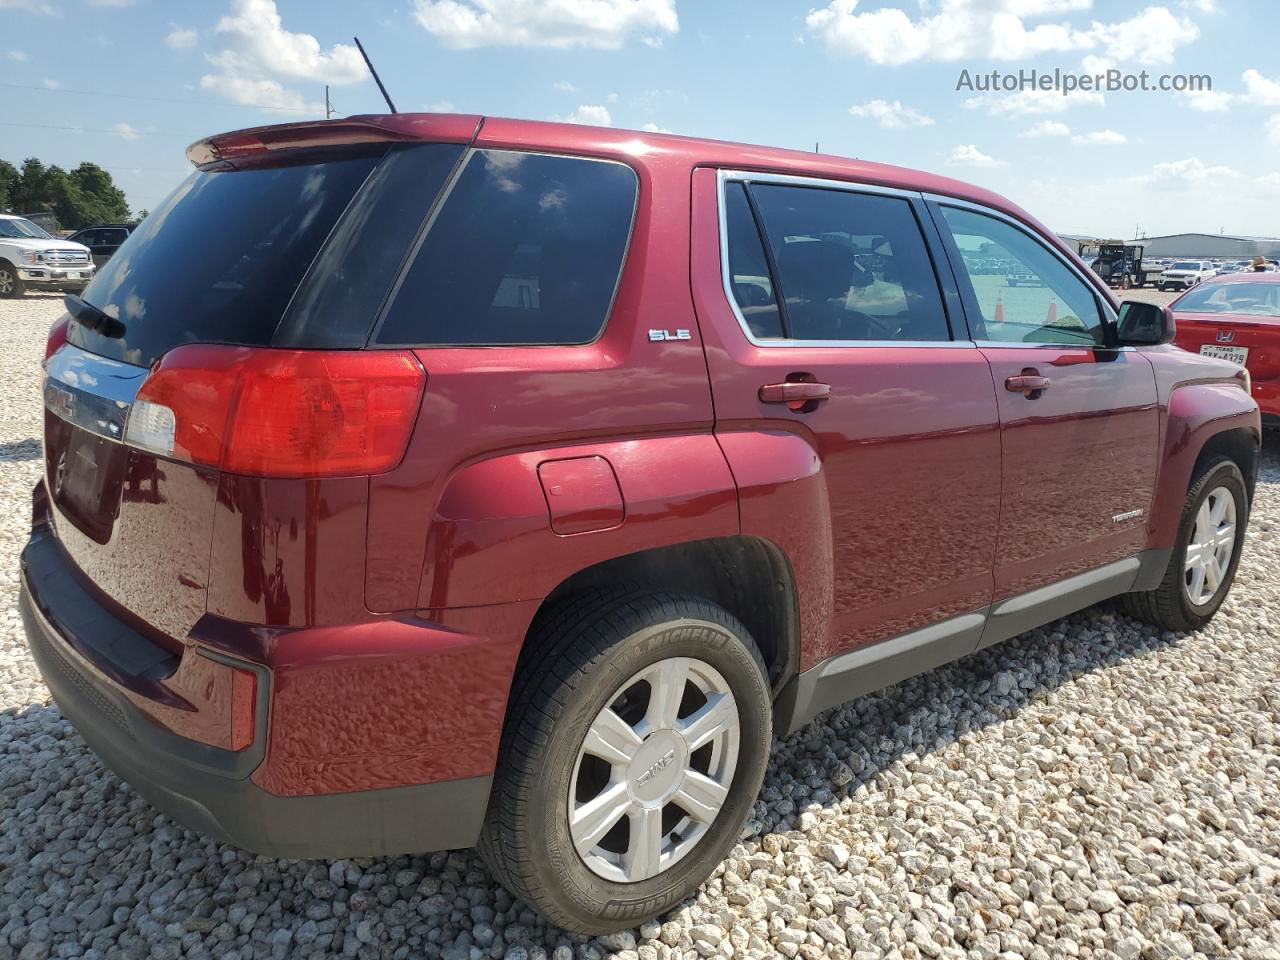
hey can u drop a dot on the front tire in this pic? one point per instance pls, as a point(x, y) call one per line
point(1203, 564)
point(11, 285)
point(633, 751)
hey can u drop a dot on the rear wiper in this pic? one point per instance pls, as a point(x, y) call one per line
point(87, 315)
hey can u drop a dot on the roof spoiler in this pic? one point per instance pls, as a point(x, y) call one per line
point(225, 148)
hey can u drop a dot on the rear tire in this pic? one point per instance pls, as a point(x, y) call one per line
point(584, 732)
point(1186, 599)
point(11, 285)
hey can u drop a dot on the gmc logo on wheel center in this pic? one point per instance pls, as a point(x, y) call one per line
point(661, 762)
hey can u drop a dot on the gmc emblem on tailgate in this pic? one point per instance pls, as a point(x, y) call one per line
point(60, 401)
point(1226, 336)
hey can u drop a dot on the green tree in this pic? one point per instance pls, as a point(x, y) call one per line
point(85, 195)
point(8, 178)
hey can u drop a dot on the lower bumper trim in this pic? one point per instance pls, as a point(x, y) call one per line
point(412, 819)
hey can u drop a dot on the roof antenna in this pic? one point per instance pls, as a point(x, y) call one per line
point(376, 79)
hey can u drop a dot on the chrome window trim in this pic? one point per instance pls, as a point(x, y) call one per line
point(724, 176)
point(1109, 316)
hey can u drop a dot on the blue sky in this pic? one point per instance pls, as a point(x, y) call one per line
point(129, 83)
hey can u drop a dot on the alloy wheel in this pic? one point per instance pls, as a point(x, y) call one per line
point(654, 770)
point(1212, 545)
point(6, 282)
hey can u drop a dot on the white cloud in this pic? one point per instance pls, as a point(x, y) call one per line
point(31, 6)
point(1207, 101)
point(593, 115)
point(125, 132)
point(1094, 65)
point(442, 106)
point(1046, 128)
point(968, 155)
point(180, 38)
point(654, 128)
point(256, 92)
point(995, 30)
point(1190, 170)
point(15, 56)
point(1100, 138)
point(1171, 197)
point(1272, 128)
point(1032, 102)
point(564, 86)
point(1261, 91)
point(605, 24)
point(1153, 36)
point(891, 114)
point(261, 49)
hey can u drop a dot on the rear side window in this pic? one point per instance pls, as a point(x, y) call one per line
point(850, 266)
point(219, 260)
point(526, 249)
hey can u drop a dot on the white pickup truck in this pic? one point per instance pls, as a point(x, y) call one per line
point(32, 259)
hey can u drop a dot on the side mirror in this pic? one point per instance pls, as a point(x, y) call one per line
point(1144, 324)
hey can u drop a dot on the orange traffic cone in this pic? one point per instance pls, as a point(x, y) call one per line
point(999, 310)
point(1052, 318)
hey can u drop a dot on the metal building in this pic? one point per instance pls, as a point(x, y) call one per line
point(1210, 245)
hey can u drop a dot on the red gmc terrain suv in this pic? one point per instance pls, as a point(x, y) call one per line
point(510, 484)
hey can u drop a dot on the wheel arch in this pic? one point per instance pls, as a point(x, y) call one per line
point(1204, 420)
point(749, 576)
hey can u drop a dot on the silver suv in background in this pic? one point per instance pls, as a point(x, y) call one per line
point(30, 258)
point(1185, 274)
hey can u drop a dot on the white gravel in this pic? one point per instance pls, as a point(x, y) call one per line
point(1093, 789)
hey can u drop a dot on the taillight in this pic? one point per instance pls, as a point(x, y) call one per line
point(57, 336)
point(279, 413)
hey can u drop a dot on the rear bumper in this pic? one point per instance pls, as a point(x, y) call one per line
point(207, 788)
point(1267, 393)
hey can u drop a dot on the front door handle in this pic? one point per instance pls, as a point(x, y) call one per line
point(794, 392)
point(1029, 383)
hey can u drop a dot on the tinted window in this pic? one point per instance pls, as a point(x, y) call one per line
point(526, 249)
point(748, 268)
point(113, 237)
point(1022, 291)
point(851, 266)
point(218, 261)
point(343, 294)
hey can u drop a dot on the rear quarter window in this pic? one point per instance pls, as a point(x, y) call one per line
point(526, 249)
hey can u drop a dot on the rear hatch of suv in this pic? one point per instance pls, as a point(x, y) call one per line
point(225, 340)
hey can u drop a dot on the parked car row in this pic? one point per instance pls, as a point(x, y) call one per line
point(31, 258)
point(1184, 274)
point(487, 482)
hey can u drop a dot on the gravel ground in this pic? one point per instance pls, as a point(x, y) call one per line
point(1092, 789)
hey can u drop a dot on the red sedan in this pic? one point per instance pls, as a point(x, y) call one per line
point(1237, 317)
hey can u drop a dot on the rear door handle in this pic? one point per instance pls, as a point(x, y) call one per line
point(1029, 383)
point(794, 392)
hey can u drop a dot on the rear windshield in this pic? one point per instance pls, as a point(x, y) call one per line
point(220, 259)
point(1251, 299)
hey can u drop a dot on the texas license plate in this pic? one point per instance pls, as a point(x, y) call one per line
point(1234, 354)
